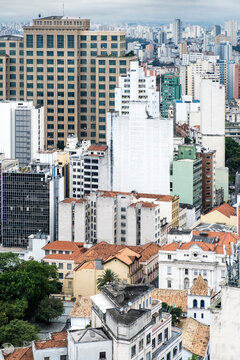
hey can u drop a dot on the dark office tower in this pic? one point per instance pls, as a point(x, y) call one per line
point(216, 30)
point(72, 71)
point(177, 31)
point(26, 206)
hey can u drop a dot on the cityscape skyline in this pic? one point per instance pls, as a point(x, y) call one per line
point(140, 11)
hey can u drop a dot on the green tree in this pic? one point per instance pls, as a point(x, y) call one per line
point(176, 312)
point(11, 311)
point(232, 155)
point(195, 357)
point(107, 276)
point(8, 261)
point(15, 285)
point(17, 332)
point(49, 308)
point(187, 140)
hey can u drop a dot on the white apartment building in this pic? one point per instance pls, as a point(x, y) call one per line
point(88, 170)
point(140, 142)
point(118, 218)
point(231, 28)
point(21, 130)
point(186, 109)
point(180, 264)
point(136, 86)
point(139, 327)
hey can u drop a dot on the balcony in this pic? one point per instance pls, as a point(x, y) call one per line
point(176, 336)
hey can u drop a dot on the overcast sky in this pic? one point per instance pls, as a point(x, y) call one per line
point(160, 11)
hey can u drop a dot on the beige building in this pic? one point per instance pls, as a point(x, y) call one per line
point(72, 71)
point(63, 169)
point(223, 214)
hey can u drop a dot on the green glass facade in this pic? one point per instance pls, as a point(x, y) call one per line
point(170, 91)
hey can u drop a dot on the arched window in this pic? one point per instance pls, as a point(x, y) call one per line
point(206, 281)
point(194, 280)
point(202, 304)
point(186, 283)
point(195, 303)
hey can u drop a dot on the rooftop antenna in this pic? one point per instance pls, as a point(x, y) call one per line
point(63, 7)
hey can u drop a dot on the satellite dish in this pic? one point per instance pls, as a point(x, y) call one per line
point(7, 348)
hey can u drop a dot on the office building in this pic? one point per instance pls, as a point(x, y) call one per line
point(231, 28)
point(47, 64)
point(216, 30)
point(170, 91)
point(30, 200)
point(118, 218)
point(21, 130)
point(140, 142)
point(186, 177)
point(236, 81)
point(177, 31)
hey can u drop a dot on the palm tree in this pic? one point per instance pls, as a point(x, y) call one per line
point(107, 276)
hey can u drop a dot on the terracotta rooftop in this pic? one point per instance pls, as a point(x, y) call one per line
point(223, 239)
point(224, 209)
point(70, 200)
point(149, 250)
point(72, 257)
point(200, 287)
point(145, 204)
point(63, 245)
point(156, 197)
point(170, 247)
point(24, 353)
point(195, 336)
point(125, 255)
point(172, 297)
point(98, 148)
point(82, 307)
point(58, 340)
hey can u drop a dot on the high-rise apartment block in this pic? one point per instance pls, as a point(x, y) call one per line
point(177, 31)
point(231, 28)
point(140, 142)
point(170, 91)
point(118, 218)
point(186, 177)
point(72, 71)
point(21, 130)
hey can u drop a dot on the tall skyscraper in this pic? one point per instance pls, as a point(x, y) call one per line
point(21, 130)
point(140, 142)
point(216, 30)
point(177, 31)
point(72, 71)
point(231, 28)
point(170, 91)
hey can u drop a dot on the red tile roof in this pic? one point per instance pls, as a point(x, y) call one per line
point(224, 209)
point(145, 204)
point(63, 245)
point(170, 247)
point(70, 200)
point(58, 340)
point(98, 148)
point(149, 250)
point(24, 353)
point(200, 287)
point(157, 197)
point(224, 238)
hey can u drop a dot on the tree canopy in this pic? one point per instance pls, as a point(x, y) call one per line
point(49, 308)
point(232, 155)
point(107, 276)
point(176, 312)
point(25, 287)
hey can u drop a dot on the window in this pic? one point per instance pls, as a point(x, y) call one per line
point(71, 41)
point(39, 41)
point(166, 334)
point(186, 283)
point(222, 273)
point(141, 345)
point(153, 343)
point(159, 338)
point(46, 358)
point(60, 275)
point(148, 356)
point(169, 257)
point(175, 351)
point(60, 41)
point(195, 304)
point(169, 270)
point(202, 304)
point(29, 41)
point(63, 357)
point(69, 266)
point(194, 315)
point(180, 346)
point(148, 338)
point(50, 41)
point(102, 355)
point(60, 265)
point(133, 351)
point(169, 284)
point(186, 271)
